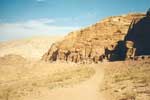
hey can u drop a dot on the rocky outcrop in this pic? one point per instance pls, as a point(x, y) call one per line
point(89, 44)
point(136, 43)
point(139, 34)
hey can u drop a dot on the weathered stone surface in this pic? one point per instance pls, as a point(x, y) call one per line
point(91, 44)
point(136, 42)
point(139, 34)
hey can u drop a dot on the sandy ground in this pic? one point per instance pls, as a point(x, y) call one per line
point(25, 80)
point(18, 73)
point(88, 90)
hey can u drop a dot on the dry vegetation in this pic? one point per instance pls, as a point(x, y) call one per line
point(25, 78)
point(127, 80)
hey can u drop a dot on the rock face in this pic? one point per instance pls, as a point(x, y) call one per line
point(135, 44)
point(139, 34)
point(94, 43)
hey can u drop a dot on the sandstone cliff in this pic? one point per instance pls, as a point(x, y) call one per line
point(139, 34)
point(87, 45)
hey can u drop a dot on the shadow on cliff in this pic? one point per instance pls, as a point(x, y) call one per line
point(139, 34)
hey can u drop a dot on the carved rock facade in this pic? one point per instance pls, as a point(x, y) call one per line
point(91, 44)
point(136, 43)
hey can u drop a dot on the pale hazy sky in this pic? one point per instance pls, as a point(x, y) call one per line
point(25, 18)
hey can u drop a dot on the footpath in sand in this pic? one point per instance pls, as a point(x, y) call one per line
point(88, 90)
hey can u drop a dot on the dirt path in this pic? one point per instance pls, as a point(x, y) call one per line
point(88, 90)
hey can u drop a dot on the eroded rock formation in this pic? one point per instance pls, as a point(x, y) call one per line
point(91, 44)
point(139, 34)
point(136, 42)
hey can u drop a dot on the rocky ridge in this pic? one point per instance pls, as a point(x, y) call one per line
point(88, 45)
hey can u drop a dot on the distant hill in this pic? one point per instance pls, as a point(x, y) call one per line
point(31, 48)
